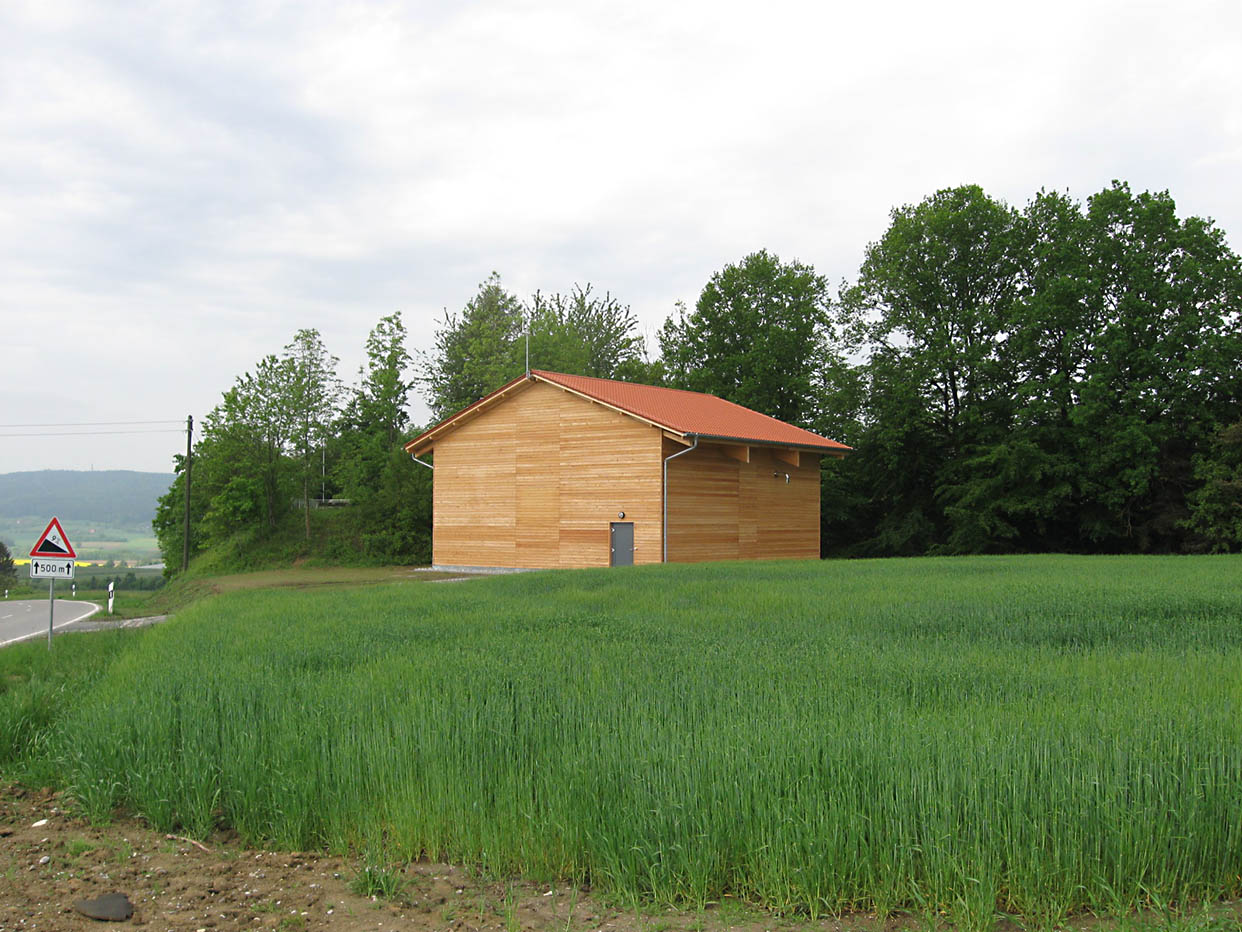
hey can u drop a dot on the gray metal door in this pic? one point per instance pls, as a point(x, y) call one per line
point(622, 541)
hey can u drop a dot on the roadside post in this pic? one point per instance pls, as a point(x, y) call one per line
point(110, 585)
point(52, 559)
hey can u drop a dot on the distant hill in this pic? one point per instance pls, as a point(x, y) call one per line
point(118, 497)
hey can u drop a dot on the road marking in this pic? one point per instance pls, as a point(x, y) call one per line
point(64, 624)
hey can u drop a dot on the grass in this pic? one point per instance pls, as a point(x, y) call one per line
point(339, 537)
point(954, 739)
point(376, 879)
point(182, 592)
point(38, 687)
point(128, 603)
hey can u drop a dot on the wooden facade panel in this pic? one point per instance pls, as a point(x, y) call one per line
point(723, 509)
point(538, 504)
point(703, 506)
point(782, 516)
point(536, 481)
point(610, 464)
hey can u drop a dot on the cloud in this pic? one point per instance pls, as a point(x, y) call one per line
point(185, 185)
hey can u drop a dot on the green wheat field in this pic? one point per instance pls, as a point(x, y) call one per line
point(964, 737)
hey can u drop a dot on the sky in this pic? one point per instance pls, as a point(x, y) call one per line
point(185, 185)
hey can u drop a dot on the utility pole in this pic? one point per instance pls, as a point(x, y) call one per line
point(185, 537)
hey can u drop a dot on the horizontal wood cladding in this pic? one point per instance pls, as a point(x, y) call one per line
point(723, 508)
point(536, 481)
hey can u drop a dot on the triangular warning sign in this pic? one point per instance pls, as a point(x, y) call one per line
point(53, 542)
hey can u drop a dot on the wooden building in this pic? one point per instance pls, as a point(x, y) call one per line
point(557, 470)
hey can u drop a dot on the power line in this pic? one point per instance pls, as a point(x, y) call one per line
point(92, 424)
point(96, 433)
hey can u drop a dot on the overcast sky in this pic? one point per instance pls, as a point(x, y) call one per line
point(184, 185)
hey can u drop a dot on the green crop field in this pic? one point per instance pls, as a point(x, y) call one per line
point(92, 540)
point(955, 738)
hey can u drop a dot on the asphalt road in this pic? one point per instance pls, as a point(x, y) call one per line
point(27, 618)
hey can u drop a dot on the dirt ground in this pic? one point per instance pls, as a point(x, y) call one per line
point(50, 859)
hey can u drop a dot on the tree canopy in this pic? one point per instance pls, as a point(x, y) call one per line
point(1060, 376)
point(484, 346)
point(1040, 379)
point(758, 336)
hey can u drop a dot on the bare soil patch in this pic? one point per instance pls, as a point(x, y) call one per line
point(50, 858)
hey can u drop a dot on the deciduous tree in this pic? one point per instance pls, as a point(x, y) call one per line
point(311, 393)
point(475, 351)
point(758, 336)
point(581, 333)
point(8, 573)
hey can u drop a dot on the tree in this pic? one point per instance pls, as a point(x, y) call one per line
point(1162, 376)
point(1045, 379)
point(391, 498)
point(485, 346)
point(240, 459)
point(310, 394)
point(374, 419)
point(8, 573)
point(249, 432)
point(169, 520)
point(582, 334)
point(383, 395)
point(1216, 506)
point(758, 336)
point(938, 285)
point(395, 520)
point(475, 352)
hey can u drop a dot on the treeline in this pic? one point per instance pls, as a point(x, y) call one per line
point(1060, 377)
point(290, 433)
point(1064, 377)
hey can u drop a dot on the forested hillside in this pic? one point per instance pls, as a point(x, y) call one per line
point(1058, 377)
point(119, 497)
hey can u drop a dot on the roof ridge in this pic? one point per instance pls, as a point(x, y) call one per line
point(669, 388)
point(663, 388)
point(604, 390)
point(683, 411)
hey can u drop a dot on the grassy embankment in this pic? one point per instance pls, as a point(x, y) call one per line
point(1027, 735)
point(338, 537)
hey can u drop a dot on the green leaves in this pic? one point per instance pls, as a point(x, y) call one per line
point(1050, 374)
point(1216, 506)
point(7, 570)
point(484, 347)
point(758, 336)
point(475, 352)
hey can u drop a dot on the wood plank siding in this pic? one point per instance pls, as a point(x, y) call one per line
point(720, 508)
point(537, 480)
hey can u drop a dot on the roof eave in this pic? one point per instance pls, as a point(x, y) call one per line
point(835, 450)
point(427, 439)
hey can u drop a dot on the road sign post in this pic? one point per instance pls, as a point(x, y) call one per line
point(52, 559)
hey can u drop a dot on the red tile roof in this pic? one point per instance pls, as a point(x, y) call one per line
point(681, 412)
point(688, 413)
